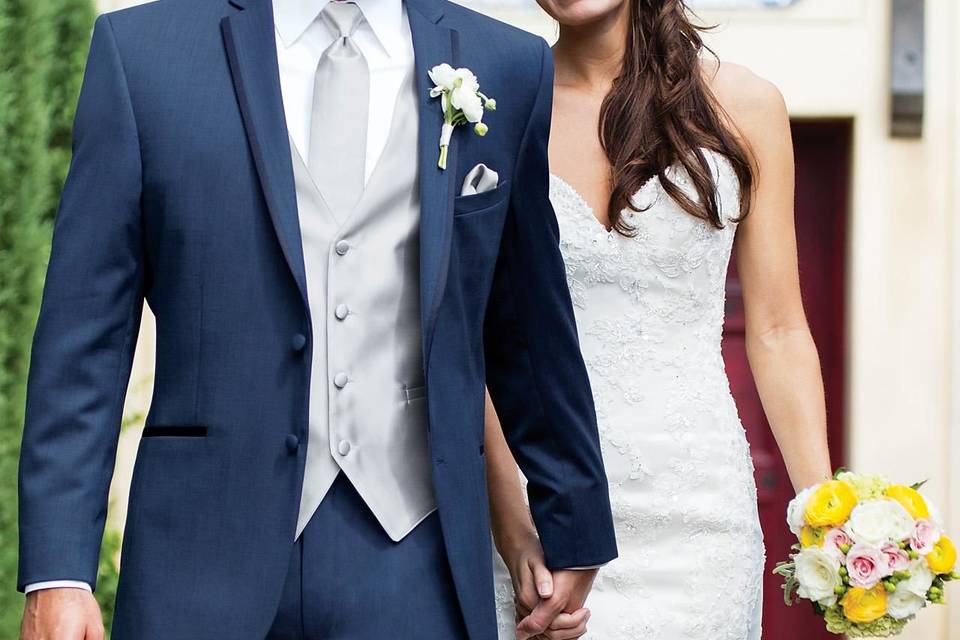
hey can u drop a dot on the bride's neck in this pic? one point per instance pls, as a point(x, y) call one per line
point(590, 55)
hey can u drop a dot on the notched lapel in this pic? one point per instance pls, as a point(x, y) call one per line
point(433, 44)
point(248, 36)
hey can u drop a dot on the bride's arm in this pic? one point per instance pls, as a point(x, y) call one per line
point(515, 534)
point(780, 348)
point(513, 530)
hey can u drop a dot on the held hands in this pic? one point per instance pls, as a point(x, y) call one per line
point(549, 604)
point(61, 614)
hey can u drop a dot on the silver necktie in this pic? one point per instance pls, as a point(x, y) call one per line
point(338, 125)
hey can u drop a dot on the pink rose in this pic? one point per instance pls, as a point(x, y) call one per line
point(833, 542)
point(866, 566)
point(897, 558)
point(925, 536)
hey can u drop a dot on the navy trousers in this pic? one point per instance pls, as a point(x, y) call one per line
point(349, 581)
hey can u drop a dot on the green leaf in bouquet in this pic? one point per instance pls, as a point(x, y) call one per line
point(790, 584)
point(790, 588)
point(836, 474)
point(916, 486)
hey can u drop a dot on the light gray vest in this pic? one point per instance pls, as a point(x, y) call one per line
point(368, 415)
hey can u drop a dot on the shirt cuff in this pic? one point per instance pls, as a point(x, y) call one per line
point(57, 584)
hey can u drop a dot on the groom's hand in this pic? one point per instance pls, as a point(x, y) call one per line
point(61, 614)
point(559, 614)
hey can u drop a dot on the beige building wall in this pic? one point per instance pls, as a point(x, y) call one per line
point(830, 58)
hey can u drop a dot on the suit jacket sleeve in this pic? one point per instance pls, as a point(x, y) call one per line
point(86, 333)
point(535, 371)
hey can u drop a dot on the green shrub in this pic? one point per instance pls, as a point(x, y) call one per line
point(44, 43)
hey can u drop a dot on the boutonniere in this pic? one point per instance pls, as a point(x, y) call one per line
point(462, 103)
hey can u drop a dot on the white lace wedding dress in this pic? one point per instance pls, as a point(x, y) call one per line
point(650, 313)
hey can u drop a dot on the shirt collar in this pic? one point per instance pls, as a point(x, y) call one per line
point(385, 17)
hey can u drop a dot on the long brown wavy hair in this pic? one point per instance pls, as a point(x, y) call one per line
point(660, 112)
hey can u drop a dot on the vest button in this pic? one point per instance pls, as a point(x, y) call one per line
point(292, 442)
point(343, 448)
point(298, 342)
point(342, 247)
point(341, 312)
point(340, 380)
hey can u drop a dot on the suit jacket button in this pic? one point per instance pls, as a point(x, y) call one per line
point(293, 443)
point(342, 247)
point(298, 342)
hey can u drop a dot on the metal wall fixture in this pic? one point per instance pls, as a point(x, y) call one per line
point(906, 68)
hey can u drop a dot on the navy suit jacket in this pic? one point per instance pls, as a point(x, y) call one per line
point(181, 193)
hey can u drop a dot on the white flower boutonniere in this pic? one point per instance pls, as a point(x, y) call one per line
point(462, 102)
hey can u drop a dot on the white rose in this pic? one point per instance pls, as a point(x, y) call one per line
point(920, 580)
point(796, 508)
point(876, 522)
point(903, 604)
point(443, 75)
point(469, 102)
point(819, 575)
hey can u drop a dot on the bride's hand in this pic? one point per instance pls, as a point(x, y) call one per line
point(532, 582)
point(528, 571)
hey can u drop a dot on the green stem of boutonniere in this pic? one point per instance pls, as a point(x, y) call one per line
point(449, 122)
point(442, 163)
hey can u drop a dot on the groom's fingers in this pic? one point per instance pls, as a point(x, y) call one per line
point(568, 626)
point(540, 618)
point(568, 621)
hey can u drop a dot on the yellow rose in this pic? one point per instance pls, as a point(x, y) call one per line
point(830, 505)
point(943, 557)
point(865, 605)
point(910, 499)
point(812, 536)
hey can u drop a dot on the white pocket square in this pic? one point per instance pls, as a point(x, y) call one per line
point(480, 180)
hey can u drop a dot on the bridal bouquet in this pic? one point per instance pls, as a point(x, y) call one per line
point(870, 554)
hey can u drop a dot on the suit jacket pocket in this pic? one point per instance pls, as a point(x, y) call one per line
point(464, 205)
point(174, 432)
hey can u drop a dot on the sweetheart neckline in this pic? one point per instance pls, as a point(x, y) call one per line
point(580, 200)
point(588, 208)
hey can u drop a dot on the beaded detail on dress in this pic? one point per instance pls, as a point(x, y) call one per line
point(650, 312)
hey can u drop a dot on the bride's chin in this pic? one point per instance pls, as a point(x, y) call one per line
point(580, 13)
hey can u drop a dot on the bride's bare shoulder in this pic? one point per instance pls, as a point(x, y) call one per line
point(754, 105)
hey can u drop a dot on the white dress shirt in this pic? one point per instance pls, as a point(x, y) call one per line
point(385, 41)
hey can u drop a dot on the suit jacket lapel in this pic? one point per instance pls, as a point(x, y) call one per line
point(250, 43)
point(433, 44)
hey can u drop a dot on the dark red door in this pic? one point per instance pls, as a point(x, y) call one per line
point(823, 172)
